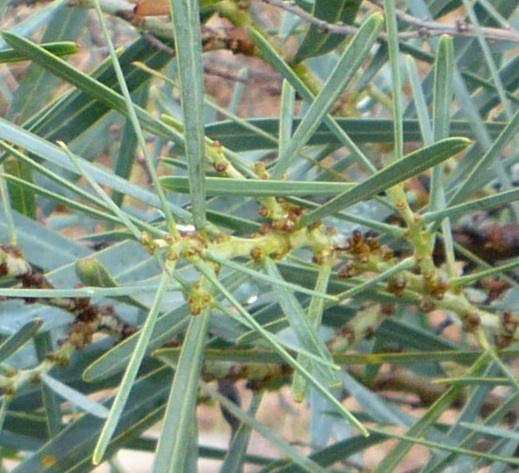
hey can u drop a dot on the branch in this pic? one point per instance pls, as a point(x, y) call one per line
point(425, 28)
point(459, 28)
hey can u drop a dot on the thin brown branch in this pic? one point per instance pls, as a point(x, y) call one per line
point(459, 28)
point(425, 28)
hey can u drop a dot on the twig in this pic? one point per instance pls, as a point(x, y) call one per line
point(459, 28)
point(425, 28)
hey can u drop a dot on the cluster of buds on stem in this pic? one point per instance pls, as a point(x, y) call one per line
point(509, 323)
point(362, 254)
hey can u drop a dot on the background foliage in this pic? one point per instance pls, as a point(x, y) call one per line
point(311, 198)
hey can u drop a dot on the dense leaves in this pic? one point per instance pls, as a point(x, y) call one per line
point(328, 214)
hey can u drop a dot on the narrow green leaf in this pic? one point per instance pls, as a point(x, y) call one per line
point(237, 454)
point(250, 320)
point(101, 92)
point(315, 315)
point(21, 201)
point(485, 203)
point(4, 406)
point(497, 432)
point(71, 449)
point(286, 117)
point(257, 188)
point(409, 357)
point(50, 401)
point(338, 452)
point(443, 74)
point(79, 292)
point(343, 72)
point(412, 441)
point(128, 147)
point(75, 397)
point(420, 103)
point(92, 272)
point(7, 209)
point(501, 269)
point(360, 130)
point(16, 340)
point(420, 427)
point(54, 154)
point(396, 80)
point(294, 454)
point(475, 381)
point(303, 329)
point(131, 111)
point(397, 172)
point(467, 186)
point(188, 41)
point(442, 104)
point(178, 420)
point(130, 374)
point(61, 48)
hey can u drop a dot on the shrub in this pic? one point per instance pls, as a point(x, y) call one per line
point(338, 222)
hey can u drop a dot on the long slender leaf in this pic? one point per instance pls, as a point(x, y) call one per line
point(55, 155)
point(303, 462)
point(343, 72)
point(61, 48)
point(508, 133)
point(398, 172)
point(305, 332)
point(257, 188)
point(396, 81)
point(75, 397)
point(186, 19)
point(16, 340)
point(391, 461)
point(361, 130)
point(92, 87)
point(179, 417)
point(130, 375)
point(236, 456)
point(283, 353)
point(71, 450)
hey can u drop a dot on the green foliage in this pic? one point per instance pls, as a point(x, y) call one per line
point(158, 249)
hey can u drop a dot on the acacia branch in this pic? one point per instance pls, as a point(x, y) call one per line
point(425, 28)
